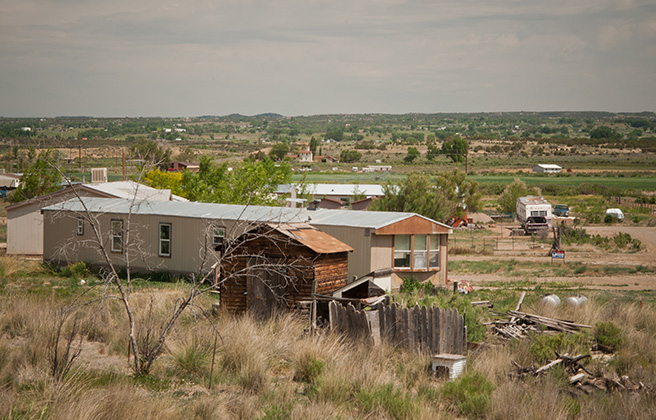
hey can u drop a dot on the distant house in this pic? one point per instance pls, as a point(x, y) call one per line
point(329, 159)
point(345, 193)
point(181, 166)
point(274, 266)
point(377, 168)
point(25, 222)
point(305, 156)
point(547, 168)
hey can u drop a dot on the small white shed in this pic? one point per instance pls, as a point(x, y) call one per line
point(547, 168)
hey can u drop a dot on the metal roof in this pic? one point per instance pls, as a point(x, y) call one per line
point(185, 209)
point(369, 190)
point(548, 166)
point(348, 218)
point(131, 189)
point(318, 241)
point(361, 219)
point(533, 199)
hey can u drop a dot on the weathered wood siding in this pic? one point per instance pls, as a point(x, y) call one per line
point(432, 330)
point(304, 268)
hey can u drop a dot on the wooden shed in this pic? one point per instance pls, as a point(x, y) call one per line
point(274, 266)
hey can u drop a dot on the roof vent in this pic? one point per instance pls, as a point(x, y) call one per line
point(98, 175)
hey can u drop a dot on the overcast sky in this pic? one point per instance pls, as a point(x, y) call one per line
point(304, 57)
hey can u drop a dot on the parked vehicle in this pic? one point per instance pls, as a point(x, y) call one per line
point(534, 213)
point(561, 210)
point(616, 214)
point(534, 224)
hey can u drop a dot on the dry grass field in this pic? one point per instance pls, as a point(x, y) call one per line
point(276, 370)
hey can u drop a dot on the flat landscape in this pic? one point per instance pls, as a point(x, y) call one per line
point(68, 334)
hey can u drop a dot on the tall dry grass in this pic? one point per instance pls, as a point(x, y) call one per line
point(274, 369)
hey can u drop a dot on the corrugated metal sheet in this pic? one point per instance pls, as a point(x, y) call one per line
point(312, 237)
point(346, 218)
point(130, 189)
point(185, 209)
point(369, 190)
point(362, 219)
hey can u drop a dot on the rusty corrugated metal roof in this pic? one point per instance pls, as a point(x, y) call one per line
point(318, 241)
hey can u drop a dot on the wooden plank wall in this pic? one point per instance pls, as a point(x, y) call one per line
point(432, 330)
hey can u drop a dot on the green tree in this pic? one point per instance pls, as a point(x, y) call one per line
point(314, 143)
point(335, 133)
point(249, 182)
point(39, 178)
point(462, 192)
point(151, 154)
point(416, 194)
point(507, 202)
point(349, 156)
point(604, 132)
point(456, 149)
point(279, 151)
point(412, 155)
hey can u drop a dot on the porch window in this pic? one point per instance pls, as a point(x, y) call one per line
point(117, 236)
point(402, 251)
point(420, 254)
point(165, 240)
point(434, 253)
point(417, 252)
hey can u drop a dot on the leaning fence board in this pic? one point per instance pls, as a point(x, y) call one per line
point(434, 330)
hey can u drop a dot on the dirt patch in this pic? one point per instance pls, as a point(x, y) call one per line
point(584, 254)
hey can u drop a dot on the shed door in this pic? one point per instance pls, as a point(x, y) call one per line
point(266, 286)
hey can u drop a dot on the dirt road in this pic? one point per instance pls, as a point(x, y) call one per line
point(588, 255)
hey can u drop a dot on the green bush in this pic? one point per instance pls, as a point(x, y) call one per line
point(309, 369)
point(469, 395)
point(77, 270)
point(410, 284)
point(544, 346)
point(608, 335)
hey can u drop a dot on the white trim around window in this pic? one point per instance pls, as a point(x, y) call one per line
point(164, 247)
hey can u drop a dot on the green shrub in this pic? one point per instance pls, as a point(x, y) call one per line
point(277, 412)
point(410, 284)
point(77, 270)
point(192, 360)
point(544, 346)
point(391, 400)
point(622, 240)
point(470, 394)
point(608, 335)
point(309, 369)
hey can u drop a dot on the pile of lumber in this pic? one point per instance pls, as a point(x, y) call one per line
point(582, 378)
point(517, 324)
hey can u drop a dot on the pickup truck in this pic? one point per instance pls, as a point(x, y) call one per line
point(561, 210)
point(534, 224)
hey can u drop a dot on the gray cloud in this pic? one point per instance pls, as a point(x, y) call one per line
point(306, 57)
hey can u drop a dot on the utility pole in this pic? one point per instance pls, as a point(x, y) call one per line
point(123, 164)
point(79, 150)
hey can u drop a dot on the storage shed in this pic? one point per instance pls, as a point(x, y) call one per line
point(274, 266)
point(547, 168)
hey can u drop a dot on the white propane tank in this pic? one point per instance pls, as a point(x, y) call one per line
point(576, 301)
point(551, 301)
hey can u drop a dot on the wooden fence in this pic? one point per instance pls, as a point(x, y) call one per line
point(434, 330)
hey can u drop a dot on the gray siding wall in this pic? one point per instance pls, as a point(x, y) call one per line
point(25, 224)
point(190, 238)
point(359, 261)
